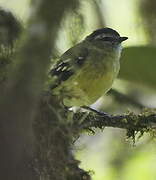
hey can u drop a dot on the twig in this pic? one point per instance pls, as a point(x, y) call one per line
point(122, 98)
point(131, 122)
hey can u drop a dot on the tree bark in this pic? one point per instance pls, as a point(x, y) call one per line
point(22, 92)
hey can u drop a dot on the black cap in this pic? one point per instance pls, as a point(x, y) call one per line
point(103, 31)
point(106, 31)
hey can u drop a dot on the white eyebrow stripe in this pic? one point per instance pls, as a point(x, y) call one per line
point(100, 36)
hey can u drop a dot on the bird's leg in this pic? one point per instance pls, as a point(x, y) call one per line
point(66, 108)
point(95, 111)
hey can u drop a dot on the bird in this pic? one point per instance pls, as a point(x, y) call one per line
point(87, 70)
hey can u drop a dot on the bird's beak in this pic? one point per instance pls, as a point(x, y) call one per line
point(122, 39)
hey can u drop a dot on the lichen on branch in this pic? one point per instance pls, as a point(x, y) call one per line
point(133, 123)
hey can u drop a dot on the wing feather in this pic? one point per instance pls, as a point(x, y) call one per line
point(68, 64)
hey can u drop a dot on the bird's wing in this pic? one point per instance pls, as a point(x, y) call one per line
point(68, 64)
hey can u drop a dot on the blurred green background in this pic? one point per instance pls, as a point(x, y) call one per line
point(108, 154)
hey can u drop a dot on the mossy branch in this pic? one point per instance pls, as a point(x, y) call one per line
point(133, 123)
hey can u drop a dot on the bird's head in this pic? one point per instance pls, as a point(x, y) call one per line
point(106, 37)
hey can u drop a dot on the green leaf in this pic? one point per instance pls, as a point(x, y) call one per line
point(138, 64)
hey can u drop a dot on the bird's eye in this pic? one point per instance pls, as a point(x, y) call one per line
point(107, 39)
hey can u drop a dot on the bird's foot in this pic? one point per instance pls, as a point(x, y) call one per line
point(96, 111)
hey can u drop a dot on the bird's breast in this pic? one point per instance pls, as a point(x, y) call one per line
point(98, 80)
point(93, 80)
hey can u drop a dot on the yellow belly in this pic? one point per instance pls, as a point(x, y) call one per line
point(85, 87)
